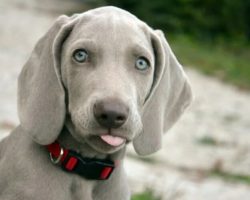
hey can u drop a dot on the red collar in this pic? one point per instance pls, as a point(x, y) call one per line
point(71, 161)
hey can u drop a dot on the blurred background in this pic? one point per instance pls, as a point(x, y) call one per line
point(206, 155)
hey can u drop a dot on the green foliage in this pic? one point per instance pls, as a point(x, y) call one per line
point(205, 19)
point(227, 61)
point(147, 195)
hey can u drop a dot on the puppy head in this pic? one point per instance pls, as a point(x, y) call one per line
point(106, 75)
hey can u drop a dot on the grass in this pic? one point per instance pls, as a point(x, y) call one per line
point(146, 195)
point(207, 140)
point(229, 61)
point(231, 177)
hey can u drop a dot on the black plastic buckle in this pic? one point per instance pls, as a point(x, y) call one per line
point(89, 168)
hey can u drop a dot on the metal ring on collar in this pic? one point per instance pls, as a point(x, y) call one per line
point(56, 161)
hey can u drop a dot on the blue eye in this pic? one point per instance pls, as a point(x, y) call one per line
point(142, 64)
point(80, 55)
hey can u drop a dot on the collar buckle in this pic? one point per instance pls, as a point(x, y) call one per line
point(89, 168)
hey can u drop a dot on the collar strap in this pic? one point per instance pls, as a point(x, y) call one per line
point(71, 161)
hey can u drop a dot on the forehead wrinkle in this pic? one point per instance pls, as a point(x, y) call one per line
point(115, 24)
point(114, 33)
point(124, 32)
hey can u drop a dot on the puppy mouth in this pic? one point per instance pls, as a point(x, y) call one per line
point(106, 142)
point(114, 141)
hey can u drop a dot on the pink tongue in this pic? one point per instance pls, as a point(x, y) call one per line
point(113, 140)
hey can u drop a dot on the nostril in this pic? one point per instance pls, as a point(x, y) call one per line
point(120, 118)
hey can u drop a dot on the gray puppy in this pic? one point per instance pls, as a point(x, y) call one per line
point(95, 82)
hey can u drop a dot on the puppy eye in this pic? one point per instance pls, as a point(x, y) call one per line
point(80, 55)
point(142, 64)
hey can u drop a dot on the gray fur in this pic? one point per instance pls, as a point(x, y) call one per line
point(56, 96)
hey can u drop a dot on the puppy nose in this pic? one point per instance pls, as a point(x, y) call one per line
point(111, 113)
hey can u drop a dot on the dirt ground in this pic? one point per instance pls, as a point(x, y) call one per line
point(213, 135)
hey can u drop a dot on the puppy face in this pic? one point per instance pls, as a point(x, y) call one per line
point(107, 60)
point(109, 77)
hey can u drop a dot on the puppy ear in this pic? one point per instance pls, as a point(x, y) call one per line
point(170, 95)
point(41, 106)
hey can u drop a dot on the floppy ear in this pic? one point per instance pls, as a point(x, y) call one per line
point(170, 95)
point(41, 106)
